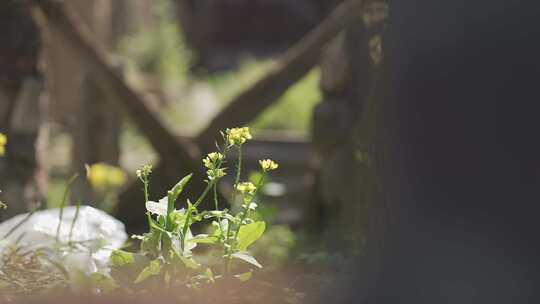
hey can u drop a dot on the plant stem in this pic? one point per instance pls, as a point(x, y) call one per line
point(19, 224)
point(215, 197)
point(260, 183)
point(63, 204)
point(238, 170)
point(146, 184)
point(227, 251)
point(205, 192)
point(236, 181)
point(238, 165)
point(242, 219)
point(190, 210)
point(74, 219)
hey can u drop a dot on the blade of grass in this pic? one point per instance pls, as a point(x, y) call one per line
point(19, 224)
point(63, 204)
point(74, 219)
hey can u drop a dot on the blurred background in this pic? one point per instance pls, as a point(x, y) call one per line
point(423, 149)
point(114, 84)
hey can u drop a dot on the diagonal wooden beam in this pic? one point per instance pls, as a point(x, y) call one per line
point(287, 70)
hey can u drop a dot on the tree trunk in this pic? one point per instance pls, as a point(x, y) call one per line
point(458, 156)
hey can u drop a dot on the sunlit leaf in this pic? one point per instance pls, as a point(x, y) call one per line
point(120, 257)
point(154, 268)
point(189, 262)
point(246, 257)
point(102, 281)
point(150, 242)
point(204, 239)
point(250, 233)
point(178, 218)
point(244, 277)
point(173, 194)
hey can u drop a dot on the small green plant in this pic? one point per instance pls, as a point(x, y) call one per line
point(166, 251)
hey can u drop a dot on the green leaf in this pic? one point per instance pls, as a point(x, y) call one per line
point(189, 262)
point(126, 273)
point(93, 280)
point(246, 257)
point(244, 277)
point(120, 258)
point(154, 268)
point(250, 233)
point(156, 226)
point(173, 194)
point(79, 278)
point(204, 239)
point(151, 242)
point(177, 218)
point(217, 228)
point(102, 281)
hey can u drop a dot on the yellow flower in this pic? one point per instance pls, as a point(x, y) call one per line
point(268, 165)
point(216, 173)
point(103, 176)
point(246, 188)
point(3, 142)
point(237, 136)
point(211, 160)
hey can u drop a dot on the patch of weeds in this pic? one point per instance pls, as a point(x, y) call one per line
point(166, 257)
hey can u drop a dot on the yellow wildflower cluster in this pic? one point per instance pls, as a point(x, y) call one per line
point(237, 136)
point(246, 188)
point(216, 173)
point(211, 161)
point(3, 142)
point(103, 176)
point(268, 165)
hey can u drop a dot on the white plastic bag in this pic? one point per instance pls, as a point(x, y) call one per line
point(86, 246)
